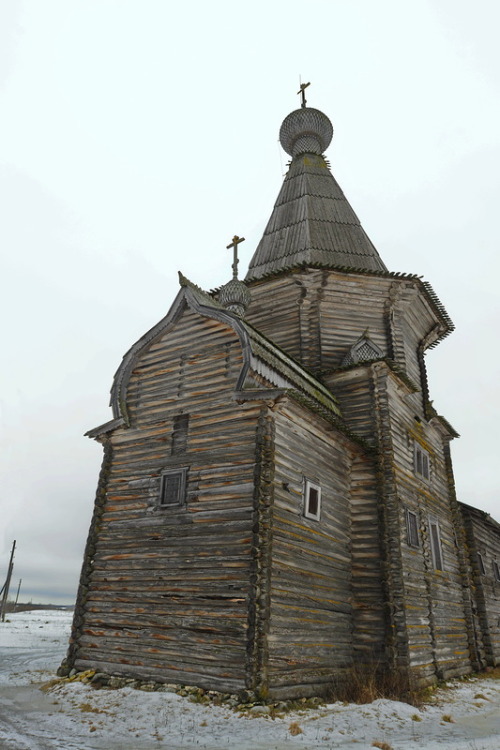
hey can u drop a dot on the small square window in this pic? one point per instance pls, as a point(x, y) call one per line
point(496, 571)
point(312, 500)
point(435, 537)
point(173, 488)
point(412, 528)
point(480, 562)
point(421, 462)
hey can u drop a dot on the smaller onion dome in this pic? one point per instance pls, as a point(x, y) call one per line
point(235, 296)
point(306, 131)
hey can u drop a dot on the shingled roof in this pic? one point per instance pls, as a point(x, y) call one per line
point(312, 221)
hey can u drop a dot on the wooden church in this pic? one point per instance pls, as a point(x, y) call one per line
point(276, 502)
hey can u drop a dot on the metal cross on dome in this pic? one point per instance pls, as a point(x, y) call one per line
point(234, 244)
point(302, 91)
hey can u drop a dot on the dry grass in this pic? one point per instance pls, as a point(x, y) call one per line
point(47, 686)
point(382, 745)
point(364, 683)
point(87, 708)
point(294, 729)
point(493, 674)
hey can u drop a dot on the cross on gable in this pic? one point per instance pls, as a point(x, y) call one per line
point(302, 92)
point(234, 244)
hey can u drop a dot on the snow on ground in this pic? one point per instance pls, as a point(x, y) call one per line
point(75, 716)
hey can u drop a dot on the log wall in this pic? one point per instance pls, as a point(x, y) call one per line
point(409, 321)
point(354, 391)
point(425, 624)
point(311, 622)
point(483, 537)
point(317, 316)
point(170, 587)
point(350, 306)
point(235, 588)
point(275, 311)
point(435, 617)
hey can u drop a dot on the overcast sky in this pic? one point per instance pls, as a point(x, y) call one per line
point(138, 136)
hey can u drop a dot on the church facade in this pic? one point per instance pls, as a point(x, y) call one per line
point(276, 502)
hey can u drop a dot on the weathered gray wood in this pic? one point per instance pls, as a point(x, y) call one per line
point(180, 575)
point(235, 587)
point(311, 594)
point(483, 536)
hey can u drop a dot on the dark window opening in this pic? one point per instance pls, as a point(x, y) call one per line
point(437, 556)
point(412, 528)
point(312, 500)
point(173, 487)
point(422, 463)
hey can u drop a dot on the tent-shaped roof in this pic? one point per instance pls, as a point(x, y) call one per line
point(312, 222)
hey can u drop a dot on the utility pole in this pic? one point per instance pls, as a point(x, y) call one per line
point(17, 595)
point(6, 585)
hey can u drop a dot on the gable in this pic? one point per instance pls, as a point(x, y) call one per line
point(194, 356)
point(363, 350)
point(200, 303)
point(257, 354)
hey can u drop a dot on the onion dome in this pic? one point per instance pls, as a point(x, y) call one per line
point(312, 223)
point(235, 296)
point(306, 131)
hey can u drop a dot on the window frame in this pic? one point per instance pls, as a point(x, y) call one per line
point(411, 541)
point(420, 455)
point(436, 545)
point(496, 571)
point(307, 487)
point(182, 489)
point(480, 562)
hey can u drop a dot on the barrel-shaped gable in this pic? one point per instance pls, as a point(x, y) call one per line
point(196, 357)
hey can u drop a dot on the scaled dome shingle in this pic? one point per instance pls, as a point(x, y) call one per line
point(306, 130)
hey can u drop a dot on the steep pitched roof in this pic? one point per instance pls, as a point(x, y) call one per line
point(312, 221)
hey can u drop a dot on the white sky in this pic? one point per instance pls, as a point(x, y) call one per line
point(137, 136)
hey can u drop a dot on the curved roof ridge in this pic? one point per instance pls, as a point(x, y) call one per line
point(254, 345)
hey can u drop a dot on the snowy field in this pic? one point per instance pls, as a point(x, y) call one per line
point(75, 716)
